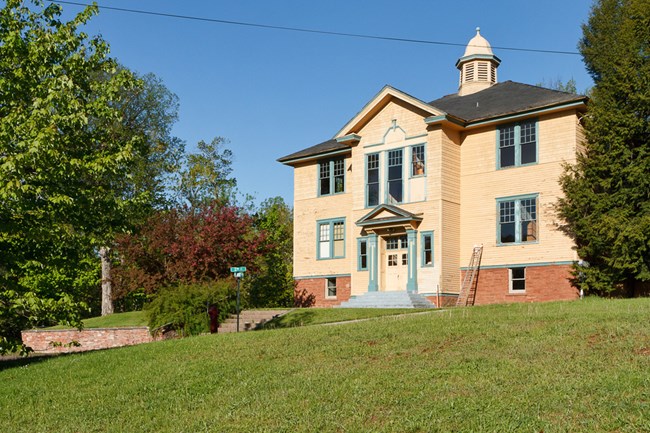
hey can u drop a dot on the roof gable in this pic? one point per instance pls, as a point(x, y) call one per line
point(376, 104)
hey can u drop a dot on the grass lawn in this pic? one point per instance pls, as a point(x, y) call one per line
point(580, 366)
point(116, 320)
point(319, 316)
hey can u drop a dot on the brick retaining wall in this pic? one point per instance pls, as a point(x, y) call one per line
point(66, 340)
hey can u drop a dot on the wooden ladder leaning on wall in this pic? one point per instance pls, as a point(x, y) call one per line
point(470, 281)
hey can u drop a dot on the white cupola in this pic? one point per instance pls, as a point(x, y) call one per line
point(478, 66)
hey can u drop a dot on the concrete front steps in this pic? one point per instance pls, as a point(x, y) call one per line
point(249, 320)
point(396, 299)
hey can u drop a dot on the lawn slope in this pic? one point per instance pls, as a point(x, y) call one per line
point(572, 366)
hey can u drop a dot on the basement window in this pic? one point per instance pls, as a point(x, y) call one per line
point(517, 277)
point(331, 288)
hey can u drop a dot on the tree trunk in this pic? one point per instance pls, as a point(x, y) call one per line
point(107, 283)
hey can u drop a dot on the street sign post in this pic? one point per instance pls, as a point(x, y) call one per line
point(238, 272)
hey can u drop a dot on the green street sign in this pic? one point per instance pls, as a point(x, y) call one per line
point(235, 270)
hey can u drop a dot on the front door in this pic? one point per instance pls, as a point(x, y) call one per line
point(396, 263)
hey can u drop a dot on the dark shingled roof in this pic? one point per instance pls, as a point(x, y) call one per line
point(501, 100)
point(324, 147)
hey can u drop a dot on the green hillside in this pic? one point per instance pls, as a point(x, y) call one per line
point(572, 366)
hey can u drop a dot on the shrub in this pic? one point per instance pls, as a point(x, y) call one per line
point(183, 308)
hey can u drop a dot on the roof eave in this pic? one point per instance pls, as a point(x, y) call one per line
point(527, 113)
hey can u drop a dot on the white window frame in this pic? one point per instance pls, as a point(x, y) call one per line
point(328, 280)
point(511, 279)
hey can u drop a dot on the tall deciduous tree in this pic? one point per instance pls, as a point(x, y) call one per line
point(606, 208)
point(205, 177)
point(148, 111)
point(58, 167)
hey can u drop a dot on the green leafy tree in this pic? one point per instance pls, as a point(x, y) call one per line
point(606, 209)
point(205, 177)
point(273, 285)
point(60, 169)
point(568, 87)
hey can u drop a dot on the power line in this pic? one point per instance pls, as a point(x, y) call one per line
point(303, 30)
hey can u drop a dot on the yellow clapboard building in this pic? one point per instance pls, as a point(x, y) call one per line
point(408, 192)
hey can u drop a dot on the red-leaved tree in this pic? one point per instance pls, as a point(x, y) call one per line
point(187, 246)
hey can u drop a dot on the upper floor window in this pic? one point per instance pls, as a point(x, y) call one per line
point(395, 186)
point(417, 160)
point(517, 220)
point(331, 239)
point(372, 179)
point(331, 177)
point(517, 144)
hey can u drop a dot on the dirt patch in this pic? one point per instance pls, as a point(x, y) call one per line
point(645, 351)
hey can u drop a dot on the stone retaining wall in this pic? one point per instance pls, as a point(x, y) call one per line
point(71, 340)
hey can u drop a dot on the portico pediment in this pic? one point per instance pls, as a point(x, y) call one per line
point(387, 217)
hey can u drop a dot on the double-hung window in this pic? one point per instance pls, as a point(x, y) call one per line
point(331, 239)
point(331, 177)
point(427, 249)
point(330, 288)
point(395, 186)
point(372, 179)
point(517, 144)
point(362, 248)
point(417, 160)
point(517, 219)
point(517, 277)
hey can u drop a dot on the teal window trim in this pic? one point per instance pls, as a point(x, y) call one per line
point(524, 133)
point(427, 247)
point(327, 234)
point(521, 210)
point(391, 161)
point(362, 254)
point(414, 165)
point(334, 171)
point(366, 199)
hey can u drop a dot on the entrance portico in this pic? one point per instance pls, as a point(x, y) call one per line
point(392, 248)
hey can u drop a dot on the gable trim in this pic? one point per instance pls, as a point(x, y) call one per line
point(381, 99)
point(400, 218)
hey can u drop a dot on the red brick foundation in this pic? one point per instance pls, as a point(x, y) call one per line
point(311, 292)
point(543, 284)
point(67, 340)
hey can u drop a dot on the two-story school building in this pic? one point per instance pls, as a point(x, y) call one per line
point(398, 199)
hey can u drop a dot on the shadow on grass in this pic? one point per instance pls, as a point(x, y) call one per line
point(17, 361)
point(294, 319)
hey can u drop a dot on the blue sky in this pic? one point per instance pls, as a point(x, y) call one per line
point(273, 92)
